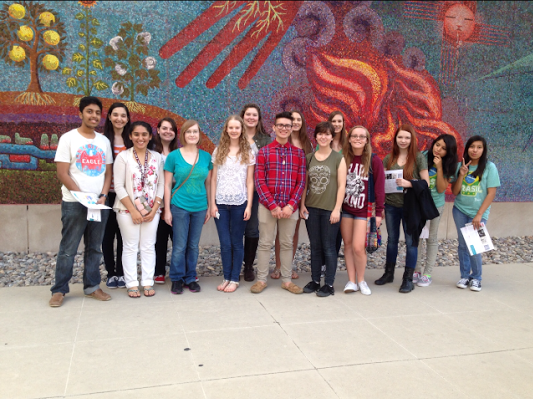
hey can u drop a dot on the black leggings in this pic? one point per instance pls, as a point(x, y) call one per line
point(111, 231)
point(161, 246)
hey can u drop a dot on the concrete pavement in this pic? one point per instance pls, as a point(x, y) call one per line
point(438, 342)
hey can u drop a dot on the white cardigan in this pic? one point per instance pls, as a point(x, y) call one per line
point(124, 167)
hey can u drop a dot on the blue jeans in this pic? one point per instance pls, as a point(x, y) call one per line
point(187, 228)
point(470, 266)
point(322, 238)
point(230, 227)
point(393, 217)
point(252, 227)
point(76, 225)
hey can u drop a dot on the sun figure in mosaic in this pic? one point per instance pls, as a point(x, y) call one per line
point(460, 26)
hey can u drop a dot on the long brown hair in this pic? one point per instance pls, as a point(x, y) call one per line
point(223, 145)
point(260, 129)
point(302, 135)
point(366, 157)
point(411, 152)
point(342, 137)
point(158, 144)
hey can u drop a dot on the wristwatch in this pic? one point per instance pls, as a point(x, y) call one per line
point(102, 195)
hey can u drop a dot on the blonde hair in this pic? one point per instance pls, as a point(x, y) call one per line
point(366, 157)
point(223, 145)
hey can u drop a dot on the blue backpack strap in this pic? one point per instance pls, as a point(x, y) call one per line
point(371, 193)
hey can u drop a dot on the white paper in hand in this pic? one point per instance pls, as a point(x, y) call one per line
point(94, 215)
point(477, 241)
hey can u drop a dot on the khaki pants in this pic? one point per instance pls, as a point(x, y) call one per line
point(267, 234)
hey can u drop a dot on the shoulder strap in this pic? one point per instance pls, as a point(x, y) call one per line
point(187, 178)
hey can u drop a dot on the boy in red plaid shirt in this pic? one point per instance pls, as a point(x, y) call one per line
point(279, 181)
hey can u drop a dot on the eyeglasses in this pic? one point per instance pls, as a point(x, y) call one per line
point(358, 137)
point(281, 127)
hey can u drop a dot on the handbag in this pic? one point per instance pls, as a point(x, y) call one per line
point(142, 205)
point(187, 178)
point(373, 233)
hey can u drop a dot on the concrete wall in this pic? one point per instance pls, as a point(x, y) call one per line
point(37, 228)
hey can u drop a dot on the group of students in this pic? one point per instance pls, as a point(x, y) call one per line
point(258, 188)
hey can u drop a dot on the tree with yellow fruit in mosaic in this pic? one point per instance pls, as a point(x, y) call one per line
point(31, 33)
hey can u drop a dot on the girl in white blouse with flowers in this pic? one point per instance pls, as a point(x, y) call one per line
point(232, 189)
point(139, 184)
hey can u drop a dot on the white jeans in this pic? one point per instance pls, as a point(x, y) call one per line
point(134, 236)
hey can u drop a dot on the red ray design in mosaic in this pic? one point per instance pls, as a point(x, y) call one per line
point(266, 18)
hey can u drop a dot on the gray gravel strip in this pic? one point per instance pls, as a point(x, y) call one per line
point(18, 269)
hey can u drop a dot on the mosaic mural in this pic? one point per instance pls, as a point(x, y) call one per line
point(457, 67)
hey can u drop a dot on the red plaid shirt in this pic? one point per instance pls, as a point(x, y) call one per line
point(280, 175)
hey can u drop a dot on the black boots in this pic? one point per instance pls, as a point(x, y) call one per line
point(407, 283)
point(250, 248)
point(388, 276)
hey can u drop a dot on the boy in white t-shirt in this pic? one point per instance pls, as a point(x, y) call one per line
point(82, 157)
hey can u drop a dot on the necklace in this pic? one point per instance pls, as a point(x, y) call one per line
point(143, 170)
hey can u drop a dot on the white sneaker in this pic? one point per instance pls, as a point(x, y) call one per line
point(350, 287)
point(416, 277)
point(463, 283)
point(363, 286)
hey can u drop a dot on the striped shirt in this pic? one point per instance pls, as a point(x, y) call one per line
point(280, 175)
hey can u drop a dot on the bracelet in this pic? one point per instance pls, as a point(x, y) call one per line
point(102, 195)
point(290, 206)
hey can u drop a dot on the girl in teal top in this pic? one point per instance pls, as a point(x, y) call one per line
point(186, 204)
point(442, 162)
point(475, 187)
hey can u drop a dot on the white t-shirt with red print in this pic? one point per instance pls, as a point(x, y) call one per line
point(88, 159)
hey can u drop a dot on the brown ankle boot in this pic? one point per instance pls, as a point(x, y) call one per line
point(250, 248)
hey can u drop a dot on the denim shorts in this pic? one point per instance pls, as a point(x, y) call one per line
point(350, 216)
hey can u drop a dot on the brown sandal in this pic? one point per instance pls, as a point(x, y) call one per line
point(276, 274)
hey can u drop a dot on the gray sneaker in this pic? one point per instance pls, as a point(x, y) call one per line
point(463, 283)
point(424, 281)
point(416, 277)
point(475, 285)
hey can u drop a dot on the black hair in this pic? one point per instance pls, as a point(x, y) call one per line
point(449, 162)
point(482, 163)
point(109, 131)
point(323, 127)
point(86, 101)
point(284, 114)
point(148, 128)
